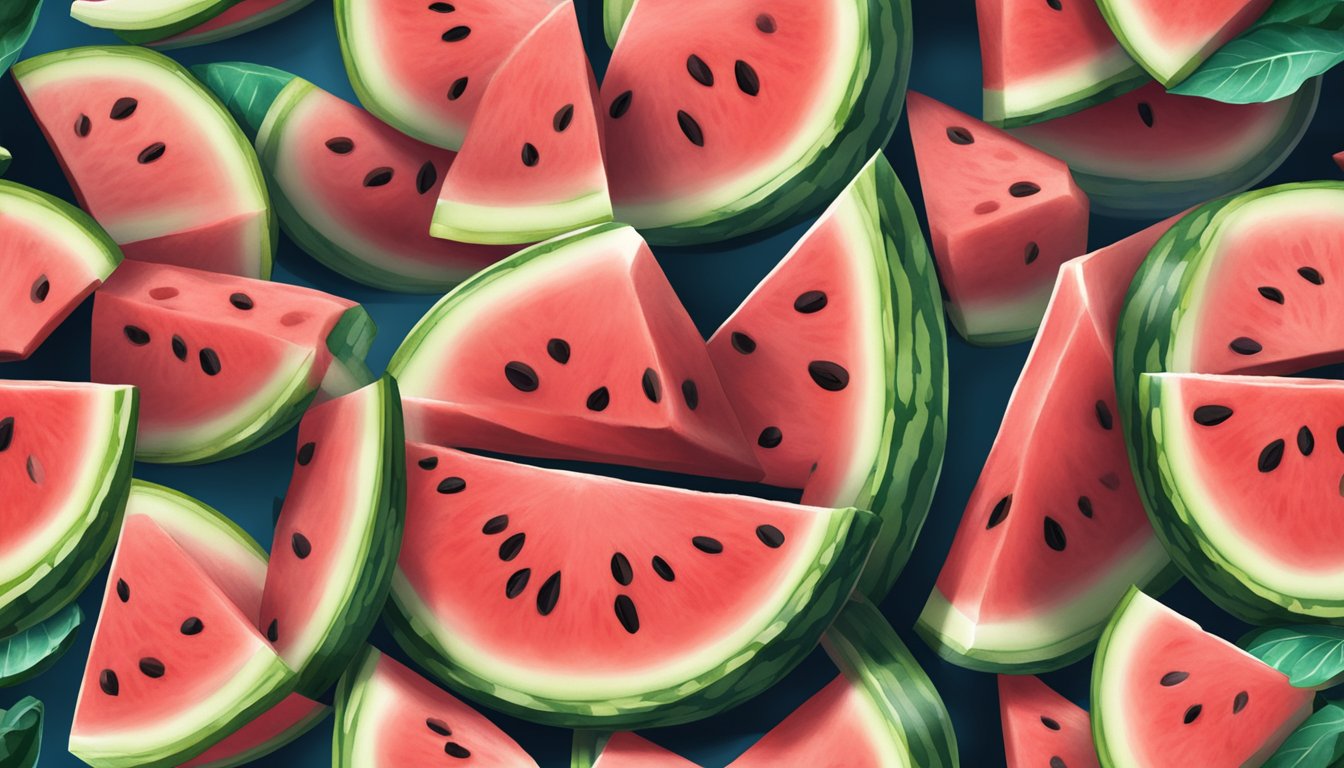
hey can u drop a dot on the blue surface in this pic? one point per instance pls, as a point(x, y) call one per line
point(711, 282)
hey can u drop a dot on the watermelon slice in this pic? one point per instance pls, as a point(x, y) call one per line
point(390, 717)
point(65, 464)
point(352, 192)
point(697, 601)
point(244, 17)
point(141, 21)
point(423, 67)
point(1149, 153)
point(1165, 693)
point(1049, 59)
point(1171, 40)
point(626, 750)
point(175, 666)
point(531, 165)
point(1003, 218)
point(338, 534)
point(255, 351)
point(625, 379)
point(55, 256)
point(733, 117)
point(837, 365)
point(153, 157)
point(1042, 728)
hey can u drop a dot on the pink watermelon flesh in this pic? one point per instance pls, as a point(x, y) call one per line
point(1003, 217)
point(1339, 160)
point(627, 750)
point(1172, 39)
point(1042, 729)
point(270, 730)
point(831, 728)
point(235, 20)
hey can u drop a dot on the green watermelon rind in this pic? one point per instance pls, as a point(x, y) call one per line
point(150, 25)
point(349, 342)
point(289, 736)
point(108, 252)
point(614, 14)
point(1076, 100)
point(1115, 12)
point(351, 697)
point(512, 225)
point(256, 21)
point(1164, 292)
point(586, 747)
point(1112, 642)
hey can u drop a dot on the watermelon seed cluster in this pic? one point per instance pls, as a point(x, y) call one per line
point(451, 748)
point(149, 666)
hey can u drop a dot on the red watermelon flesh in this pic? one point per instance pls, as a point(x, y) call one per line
point(1339, 160)
point(833, 727)
point(245, 16)
point(1003, 217)
point(627, 750)
point(1041, 728)
point(1171, 40)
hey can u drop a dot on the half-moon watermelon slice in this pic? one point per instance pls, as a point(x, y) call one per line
point(244, 17)
point(585, 601)
point(836, 365)
point(531, 165)
point(1165, 694)
point(55, 256)
point(732, 117)
point(141, 21)
point(1171, 40)
point(1042, 729)
point(389, 717)
point(605, 364)
point(153, 157)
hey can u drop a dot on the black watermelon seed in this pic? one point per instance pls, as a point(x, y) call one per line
point(747, 80)
point(770, 536)
point(179, 348)
point(1024, 189)
point(743, 343)
point(82, 126)
point(1031, 252)
point(663, 570)
point(305, 454)
point(1056, 761)
point(273, 630)
point(35, 472)
point(1339, 439)
point(829, 376)
point(123, 591)
point(1058, 5)
point(453, 749)
point(123, 108)
point(1192, 713)
point(107, 680)
point(958, 135)
point(1271, 293)
point(1000, 511)
point(424, 180)
point(559, 350)
point(1212, 415)
point(429, 462)
point(562, 118)
point(691, 394)
point(691, 128)
point(458, 88)
point(442, 8)
point(621, 570)
point(653, 386)
point(530, 155)
point(152, 152)
point(1110, 480)
point(1174, 678)
point(1311, 275)
point(1243, 345)
point(1146, 113)
point(192, 626)
point(549, 595)
point(1104, 415)
point(40, 290)
point(137, 336)
point(151, 667)
point(6, 432)
point(302, 547)
point(1085, 506)
point(766, 23)
point(341, 145)
point(512, 546)
point(599, 399)
point(1306, 442)
point(456, 33)
point(621, 104)
point(241, 301)
point(521, 376)
point(1050, 723)
point(1270, 456)
point(770, 437)
point(1239, 703)
point(1054, 534)
point(699, 70)
point(707, 544)
point(517, 583)
point(495, 525)
point(378, 177)
point(449, 485)
point(810, 302)
point(438, 726)
point(626, 613)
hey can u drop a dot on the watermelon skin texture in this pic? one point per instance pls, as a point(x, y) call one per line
point(1029, 741)
point(1171, 40)
point(246, 16)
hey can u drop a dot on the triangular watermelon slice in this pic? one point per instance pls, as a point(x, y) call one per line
point(812, 358)
point(623, 379)
point(592, 602)
point(390, 717)
point(1002, 215)
point(55, 256)
point(1042, 729)
point(153, 157)
point(625, 750)
point(235, 20)
point(1165, 693)
point(531, 165)
point(1171, 40)
point(351, 191)
point(175, 666)
point(140, 21)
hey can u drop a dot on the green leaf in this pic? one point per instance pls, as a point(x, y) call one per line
point(21, 734)
point(1305, 12)
point(1312, 656)
point(17, 19)
point(33, 651)
point(1265, 64)
point(1317, 743)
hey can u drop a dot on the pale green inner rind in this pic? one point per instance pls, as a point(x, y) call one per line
point(1122, 639)
point(511, 225)
point(175, 511)
point(1064, 93)
point(614, 14)
point(138, 21)
point(63, 222)
point(191, 37)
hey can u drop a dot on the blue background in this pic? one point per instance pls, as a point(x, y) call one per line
point(711, 282)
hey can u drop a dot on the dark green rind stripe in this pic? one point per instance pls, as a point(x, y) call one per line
point(873, 658)
point(349, 342)
point(247, 90)
point(1124, 82)
point(350, 712)
point(588, 746)
point(150, 34)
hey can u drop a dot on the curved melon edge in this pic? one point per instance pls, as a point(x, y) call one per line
point(142, 22)
point(1063, 95)
point(487, 224)
point(187, 39)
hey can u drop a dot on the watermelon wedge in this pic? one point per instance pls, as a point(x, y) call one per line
point(153, 157)
point(55, 256)
point(1171, 40)
point(812, 358)
point(1049, 59)
point(619, 604)
point(389, 717)
point(65, 463)
point(1149, 153)
point(624, 380)
point(1165, 693)
point(1054, 531)
point(142, 21)
point(625, 750)
point(1003, 217)
point(255, 351)
point(1042, 728)
point(338, 534)
point(728, 118)
point(352, 192)
point(531, 165)
point(423, 67)
point(245, 16)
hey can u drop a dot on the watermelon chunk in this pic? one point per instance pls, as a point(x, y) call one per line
point(1042, 728)
point(1049, 59)
point(1149, 153)
point(153, 157)
point(624, 380)
point(531, 165)
point(245, 16)
point(390, 717)
point(1171, 40)
point(141, 21)
point(423, 67)
point(338, 534)
point(733, 117)
point(1165, 693)
point(55, 256)
point(812, 358)
point(1003, 218)
point(618, 604)
point(352, 192)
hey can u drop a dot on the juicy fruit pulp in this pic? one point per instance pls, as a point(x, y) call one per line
point(1042, 728)
point(1171, 40)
